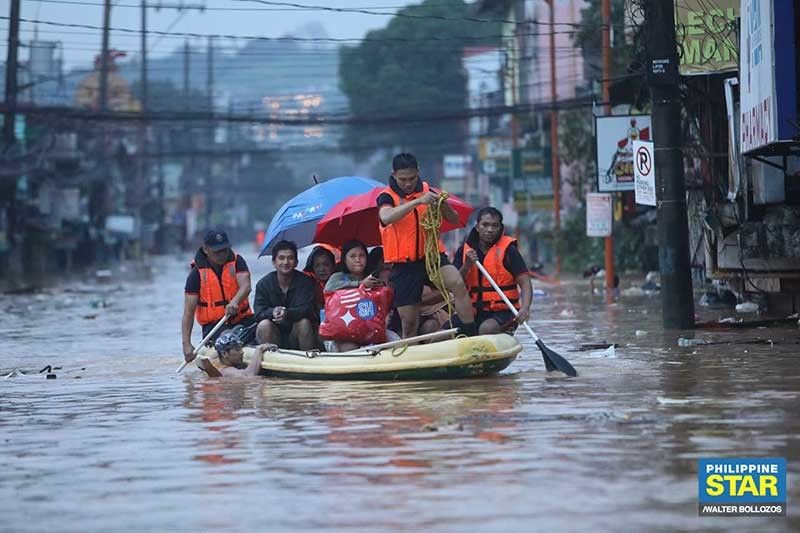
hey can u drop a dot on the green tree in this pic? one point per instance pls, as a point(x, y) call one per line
point(411, 69)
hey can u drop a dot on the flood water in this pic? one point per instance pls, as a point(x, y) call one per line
point(120, 442)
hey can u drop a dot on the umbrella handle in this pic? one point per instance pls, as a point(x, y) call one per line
point(344, 212)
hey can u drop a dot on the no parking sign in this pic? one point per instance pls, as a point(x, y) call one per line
point(644, 173)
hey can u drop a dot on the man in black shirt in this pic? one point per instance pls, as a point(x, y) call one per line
point(284, 303)
point(218, 285)
point(500, 256)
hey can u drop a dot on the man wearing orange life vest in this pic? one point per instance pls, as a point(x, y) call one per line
point(217, 286)
point(401, 207)
point(500, 257)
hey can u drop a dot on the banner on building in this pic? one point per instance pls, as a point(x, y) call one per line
point(644, 172)
point(706, 32)
point(457, 166)
point(598, 214)
point(532, 176)
point(614, 142)
point(768, 75)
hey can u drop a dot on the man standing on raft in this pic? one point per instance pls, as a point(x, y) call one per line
point(401, 207)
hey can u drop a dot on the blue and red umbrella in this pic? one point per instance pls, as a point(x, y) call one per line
point(297, 219)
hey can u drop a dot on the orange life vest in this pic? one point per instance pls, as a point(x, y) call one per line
point(404, 240)
point(216, 293)
point(484, 297)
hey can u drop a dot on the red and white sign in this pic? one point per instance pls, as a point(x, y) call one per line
point(757, 83)
point(598, 214)
point(644, 172)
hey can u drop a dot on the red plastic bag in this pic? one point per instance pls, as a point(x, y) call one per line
point(356, 315)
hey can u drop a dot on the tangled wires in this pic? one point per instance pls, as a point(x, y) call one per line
point(431, 221)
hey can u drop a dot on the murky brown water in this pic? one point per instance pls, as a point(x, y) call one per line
point(133, 446)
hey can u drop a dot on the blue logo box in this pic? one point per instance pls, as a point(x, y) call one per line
point(739, 481)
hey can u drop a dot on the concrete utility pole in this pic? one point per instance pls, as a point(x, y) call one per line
point(9, 138)
point(555, 162)
point(210, 88)
point(605, 12)
point(186, 75)
point(103, 103)
point(677, 302)
point(143, 72)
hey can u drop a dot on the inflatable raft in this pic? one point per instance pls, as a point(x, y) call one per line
point(463, 357)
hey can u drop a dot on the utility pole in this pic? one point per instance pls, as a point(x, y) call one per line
point(186, 75)
point(143, 72)
point(103, 104)
point(161, 237)
point(9, 137)
point(210, 88)
point(555, 163)
point(605, 13)
point(677, 301)
point(141, 168)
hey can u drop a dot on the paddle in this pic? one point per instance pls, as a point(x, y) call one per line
point(410, 340)
point(203, 342)
point(552, 361)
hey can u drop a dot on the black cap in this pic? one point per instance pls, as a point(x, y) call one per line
point(216, 240)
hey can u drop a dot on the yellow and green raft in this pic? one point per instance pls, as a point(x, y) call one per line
point(463, 357)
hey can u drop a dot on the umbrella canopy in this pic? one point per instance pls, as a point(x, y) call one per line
point(356, 217)
point(297, 219)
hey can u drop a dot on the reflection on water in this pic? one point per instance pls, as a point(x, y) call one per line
point(120, 442)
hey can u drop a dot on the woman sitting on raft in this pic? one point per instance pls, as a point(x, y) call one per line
point(353, 274)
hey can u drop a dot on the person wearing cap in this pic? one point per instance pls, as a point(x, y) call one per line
point(218, 285)
point(230, 350)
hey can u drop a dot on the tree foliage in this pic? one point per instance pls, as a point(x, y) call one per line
point(411, 69)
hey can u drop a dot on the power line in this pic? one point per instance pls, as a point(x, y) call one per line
point(480, 38)
point(231, 9)
point(310, 120)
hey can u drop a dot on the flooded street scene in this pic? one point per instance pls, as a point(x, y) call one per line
point(120, 442)
point(430, 265)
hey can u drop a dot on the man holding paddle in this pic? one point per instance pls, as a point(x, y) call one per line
point(217, 287)
point(498, 252)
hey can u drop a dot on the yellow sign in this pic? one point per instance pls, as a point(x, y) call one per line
point(706, 33)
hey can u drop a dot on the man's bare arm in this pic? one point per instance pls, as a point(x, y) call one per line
point(187, 323)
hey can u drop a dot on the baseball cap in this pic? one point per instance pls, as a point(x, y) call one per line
point(216, 240)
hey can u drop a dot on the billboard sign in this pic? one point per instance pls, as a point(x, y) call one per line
point(456, 166)
point(768, 75)
point(708, 35)
point(615, 135)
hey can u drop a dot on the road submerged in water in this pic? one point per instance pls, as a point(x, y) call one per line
point(119, 441)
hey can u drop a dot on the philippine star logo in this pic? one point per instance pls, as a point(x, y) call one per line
point(742, 487)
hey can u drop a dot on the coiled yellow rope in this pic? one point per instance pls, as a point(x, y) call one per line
point(431, 221)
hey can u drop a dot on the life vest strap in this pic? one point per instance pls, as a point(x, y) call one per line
point(220, 303)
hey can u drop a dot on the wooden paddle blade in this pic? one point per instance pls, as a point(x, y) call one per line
point(553, 361)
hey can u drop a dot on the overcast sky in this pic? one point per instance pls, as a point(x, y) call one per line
point(239, 17)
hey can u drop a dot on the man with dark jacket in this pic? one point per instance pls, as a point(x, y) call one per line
point(284, 303)
point(218, 285)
